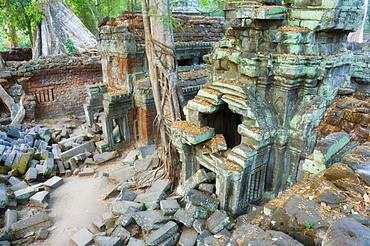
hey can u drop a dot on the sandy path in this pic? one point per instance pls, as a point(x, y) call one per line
point(74, 205)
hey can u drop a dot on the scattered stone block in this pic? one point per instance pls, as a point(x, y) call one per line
point(48, 166)
point(144, 151)
point(4, 243)
point(126, 218)
point(199, 177)
point(136, 242)
point(218, 221)
point(346, 231)
point(150, 198)
point(127, 195)
point(20, 163)
point(171, 241)
point(182, 216)
point(11, 216)
point(54, 182)
point(31, 174)
point(160, 186)
point(4, 179)
point(83, 237)
point(199, 199)
point(41, 234)
point(126, 173)
point(196, 211)
point(149, 220)
point(105, 156)
point(188, 237)
point(162, 233)
point(27, 192)
point(3, 196)
point(202, 237)
point(61, 168)
point(88, 171)
point(130, 158)
point(206, 188)
point(13, 180)
point(56, 151)
point(144, 164)
point(169, 207)
point(108, 241)
point(85, 147)
point(19, 186)
point(332, 143)
point(199, 225)
point(30, 224)
point(121, 232)
point(121, 207)
point(39, 199)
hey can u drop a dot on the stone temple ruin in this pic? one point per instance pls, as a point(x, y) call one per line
point(125, 96)
point(272, 77)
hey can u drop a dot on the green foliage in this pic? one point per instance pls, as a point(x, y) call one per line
point(21, 14)
point(71, 49)
point(287, 1)
point(308, 225)
point(91, 12)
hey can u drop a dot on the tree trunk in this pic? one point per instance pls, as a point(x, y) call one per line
point(358, 36)
point(59, 25)
point(12, 34)
point(167, 93)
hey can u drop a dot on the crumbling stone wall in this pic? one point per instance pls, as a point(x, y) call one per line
point(121, 44)
point(54, 85)
point(17, 54)
point(272, 77)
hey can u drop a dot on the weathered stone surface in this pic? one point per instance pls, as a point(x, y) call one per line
point(108, 241)
point(144, 151)
point(136, 242)
point(19, 186)
point(207, 188)
point(21, 161)
point(39, 199)
point(332, 144)
point(3, 196)
point(196, 211)
point(150, 198)
point(126, 218)
point(31, 175)
point(160, 186)
point(162, 233)
point(121, 232)
point(31, 224)
point(130, 157)
point(199, 199)
point(169, 207)
point(11, 217)
point(149, 220)
point(41, 234)
point(339, 171)
point(218, 221)
point(83, 237)
point(199, 177)
point(182, 216)
point(126, 173)
point(127, 195)
point(105, 156)
point(54, 182)
point(87, 171)
point(346, 231)
point(85, 147)
point(121, 207)
point(188, 237)
point(199, 225)
point(305, 211)
point(48, 166)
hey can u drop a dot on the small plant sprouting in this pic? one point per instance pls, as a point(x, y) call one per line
point(308, 225)
point(70, 46)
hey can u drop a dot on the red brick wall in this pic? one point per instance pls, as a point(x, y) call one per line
point(58, 83)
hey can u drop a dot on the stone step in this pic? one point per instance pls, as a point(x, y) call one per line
point(208, 100)
point(233, 85)
point(235, 101)
point(242, 150)
point(212, 94)
point(202, 106)
point(228, 90)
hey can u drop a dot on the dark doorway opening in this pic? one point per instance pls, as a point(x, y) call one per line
point(226, 123)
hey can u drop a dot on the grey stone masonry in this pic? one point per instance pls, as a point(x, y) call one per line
point(31, 224)
point(162, 234)
point(218, 221)
point(199, 199)
point(83, 237)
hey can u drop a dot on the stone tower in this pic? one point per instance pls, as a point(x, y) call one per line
point(271, 80)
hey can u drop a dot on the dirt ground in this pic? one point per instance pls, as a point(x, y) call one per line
point(76, 203)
